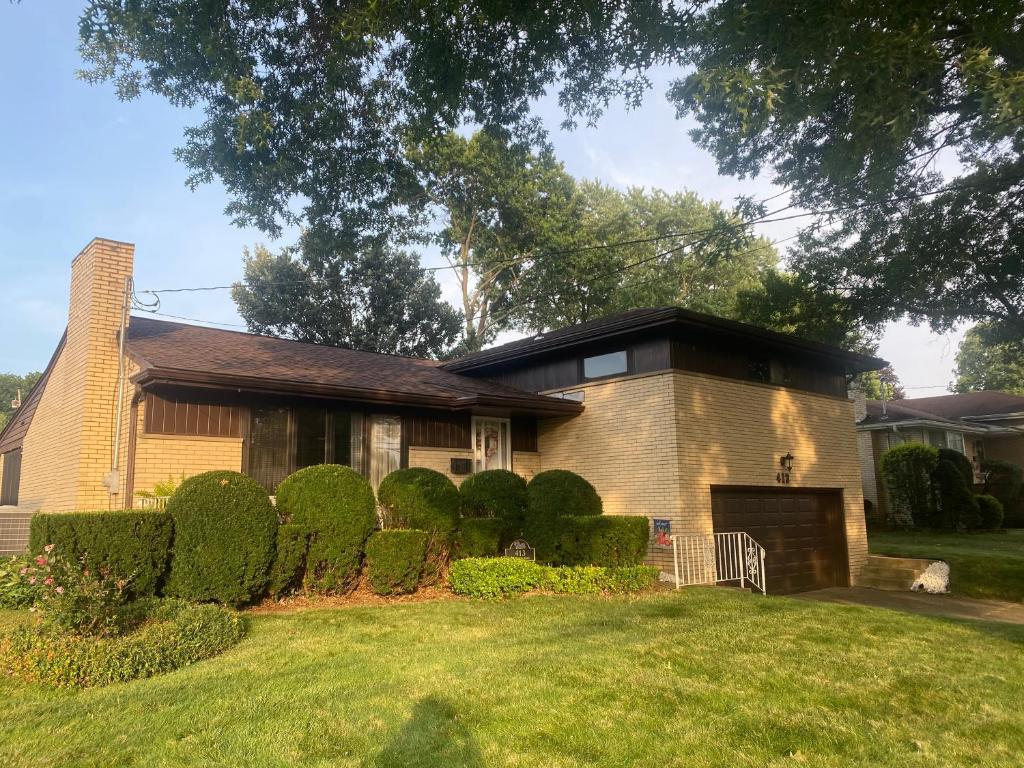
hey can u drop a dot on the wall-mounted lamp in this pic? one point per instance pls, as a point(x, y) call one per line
point(786, 462)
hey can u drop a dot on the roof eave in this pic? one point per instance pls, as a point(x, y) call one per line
point(951, 425)
point(154, 376)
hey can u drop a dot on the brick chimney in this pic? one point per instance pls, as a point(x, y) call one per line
point(860, 403)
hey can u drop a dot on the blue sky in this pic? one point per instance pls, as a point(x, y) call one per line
point(76, 163)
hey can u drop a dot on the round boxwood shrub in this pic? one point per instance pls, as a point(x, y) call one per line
point(176, 633)
point(394, 560)
point(420, 498)
point(990, 510)
point(478, 537)
point(289, 561)
point(225, 530)
point(496, 493)
point(1005, 481)
point(334, 504)
point(551, 495)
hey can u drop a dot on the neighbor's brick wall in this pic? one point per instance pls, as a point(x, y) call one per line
point(654, 445)
point(439, 459)
point(1005, 448)
point(67, 450)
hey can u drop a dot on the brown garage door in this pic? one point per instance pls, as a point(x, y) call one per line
point(802, 533)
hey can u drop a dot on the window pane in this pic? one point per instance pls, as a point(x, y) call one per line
point(955, 440)
point(269, 461)
point(385, 447)
point(343, 438)
point(936, 438)
point(604, 365)
point(310, 437)
point(759, 369)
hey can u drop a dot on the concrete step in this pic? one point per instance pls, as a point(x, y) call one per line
point(884, 561)
point(876, 582)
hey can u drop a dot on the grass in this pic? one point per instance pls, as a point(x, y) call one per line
point(987, 565)
point(702, 677)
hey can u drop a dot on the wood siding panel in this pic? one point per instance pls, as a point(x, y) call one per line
point(438, 430)
point(178, 415)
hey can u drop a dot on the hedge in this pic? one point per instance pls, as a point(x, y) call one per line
point(961, 462)
point(955, 504)
point(907, 470)
point(605, 540)
point(134, 545)
point(334, 504)
point(495, 493)
point(394, 560)
point(503, 576)
point(176, 633)
point(289, 559)
point(420, 498)
point(551, 495)
point(990, 510)
point(479, 537)
point(225, 530)
point(1005, 481)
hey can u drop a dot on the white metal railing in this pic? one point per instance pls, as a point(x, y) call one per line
point(151, 502)
point(715, 558)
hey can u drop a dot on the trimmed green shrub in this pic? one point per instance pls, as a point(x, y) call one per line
point(1005, 481)
point(592, 579)
point(605, 540)
point(175, 634)
point(289, 560)
point(420, 498)
point(225, 529)
point(496, 493)
point(907, 470)
point(394, 560)
point(494, 576)
point(133, 545)
point(962, 463)
point(956, 506)
point(552, 495)
point(478, 537)
point(990, 510)
point(335, 506)
point(502, 576)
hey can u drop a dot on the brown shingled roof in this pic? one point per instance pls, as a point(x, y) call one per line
point(969, 404)
point(187, 354)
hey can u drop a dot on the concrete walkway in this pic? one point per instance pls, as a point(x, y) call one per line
point(948, 606)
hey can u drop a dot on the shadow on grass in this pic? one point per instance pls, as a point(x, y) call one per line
point(433, 735)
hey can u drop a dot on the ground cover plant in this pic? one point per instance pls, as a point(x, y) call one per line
point(699, 677)
point(986, 565)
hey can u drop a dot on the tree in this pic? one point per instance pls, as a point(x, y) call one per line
point(11, 384)
point(376, 300)
point(883, 384)
point(985, 362)
point(642, 248)
point(309, 109)
point(499, 206)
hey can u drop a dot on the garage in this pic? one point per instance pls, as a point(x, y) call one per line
point(802, 533)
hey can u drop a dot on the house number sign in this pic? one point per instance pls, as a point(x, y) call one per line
point(521, 549)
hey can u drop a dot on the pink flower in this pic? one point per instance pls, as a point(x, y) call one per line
point(59, 590)
point(48, 548)
point(23, 571)
point(40, 560)
point(31, 579)
point(48, 580)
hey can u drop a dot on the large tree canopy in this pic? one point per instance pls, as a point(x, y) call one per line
point(986, 362)
point(310, 108)
point(376, 300)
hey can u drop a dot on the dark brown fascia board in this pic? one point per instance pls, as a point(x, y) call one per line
point(151, 376)
point(661, 319)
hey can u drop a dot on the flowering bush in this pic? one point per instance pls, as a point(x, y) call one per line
point(21, 582)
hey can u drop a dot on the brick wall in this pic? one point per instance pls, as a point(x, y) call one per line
point(67, 450)
point(526, 463)
point(1006, 448)
point(439, 459)
point(160, 457)
point(655, 444)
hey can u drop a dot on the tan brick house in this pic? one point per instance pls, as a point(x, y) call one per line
point(701, 424)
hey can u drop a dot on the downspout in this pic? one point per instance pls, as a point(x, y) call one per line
point(133, 431)
point(112, 479)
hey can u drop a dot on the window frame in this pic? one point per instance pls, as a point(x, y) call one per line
point(628, 370)
point(508, 439)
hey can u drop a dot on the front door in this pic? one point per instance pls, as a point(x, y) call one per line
point(385, 446)
point(491, 444)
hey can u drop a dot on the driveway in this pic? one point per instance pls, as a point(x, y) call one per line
point(949, 606)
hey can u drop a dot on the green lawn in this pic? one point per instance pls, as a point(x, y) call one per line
point(697, 678)
point(981, 564)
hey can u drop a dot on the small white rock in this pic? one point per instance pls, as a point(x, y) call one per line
point(934, 580)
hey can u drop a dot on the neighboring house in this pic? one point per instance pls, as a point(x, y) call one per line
point(701, 424)
point(979, 425)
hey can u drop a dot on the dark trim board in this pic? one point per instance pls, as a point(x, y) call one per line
point(803, 531)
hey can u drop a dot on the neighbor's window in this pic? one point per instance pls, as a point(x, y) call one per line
point(759, 369)
point(610, 364)
point(936, 438)
point(955, 440)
